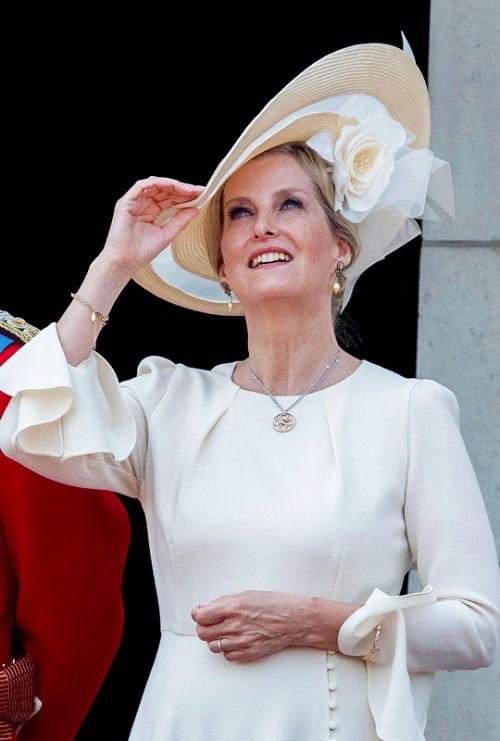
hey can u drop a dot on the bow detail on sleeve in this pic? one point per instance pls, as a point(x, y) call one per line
point(390, 686)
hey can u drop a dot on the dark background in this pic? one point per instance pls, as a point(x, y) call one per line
point(101, 105)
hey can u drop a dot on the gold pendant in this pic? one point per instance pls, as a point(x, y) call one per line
point(284, 421)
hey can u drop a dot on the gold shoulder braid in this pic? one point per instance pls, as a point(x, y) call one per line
point(17, 327)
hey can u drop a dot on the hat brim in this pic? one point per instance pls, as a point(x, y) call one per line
point(380, 70)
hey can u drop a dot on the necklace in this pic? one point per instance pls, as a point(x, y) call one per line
point(285, 421)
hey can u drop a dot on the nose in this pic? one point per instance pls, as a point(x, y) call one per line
point(264, 225)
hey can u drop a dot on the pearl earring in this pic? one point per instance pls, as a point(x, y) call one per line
point(227, 290)
point(340, 278)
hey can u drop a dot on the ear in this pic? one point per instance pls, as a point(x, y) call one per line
point(344, 252)
point(220, 270)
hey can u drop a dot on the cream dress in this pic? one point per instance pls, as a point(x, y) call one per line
point(374, 477)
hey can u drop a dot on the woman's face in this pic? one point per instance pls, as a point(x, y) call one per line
point(270, 205)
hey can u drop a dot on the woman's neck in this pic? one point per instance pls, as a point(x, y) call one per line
point(290, 353)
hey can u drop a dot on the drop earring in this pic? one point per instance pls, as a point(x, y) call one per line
point(227, 290)
point(339, 283)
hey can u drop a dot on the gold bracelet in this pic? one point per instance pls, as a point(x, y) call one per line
point(374, 649)
point(94, 315)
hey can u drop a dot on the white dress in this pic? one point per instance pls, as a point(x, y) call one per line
point(374, 476)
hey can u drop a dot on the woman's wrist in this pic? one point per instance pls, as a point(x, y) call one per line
point(116, 272)
point(323, 620)
point(79, 326)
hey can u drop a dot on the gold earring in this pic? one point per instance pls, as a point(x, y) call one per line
point(227, 290)
point(340, 279)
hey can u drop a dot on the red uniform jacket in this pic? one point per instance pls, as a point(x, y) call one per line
point(62, 555)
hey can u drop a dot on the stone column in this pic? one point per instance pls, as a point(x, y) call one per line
point(459, 297)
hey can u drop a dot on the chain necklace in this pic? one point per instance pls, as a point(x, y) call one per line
point(285, 421)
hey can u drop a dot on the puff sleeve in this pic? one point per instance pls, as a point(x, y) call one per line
point(78, 425)
point(454, 622)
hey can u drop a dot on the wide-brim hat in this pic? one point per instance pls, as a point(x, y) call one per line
point(340, 89)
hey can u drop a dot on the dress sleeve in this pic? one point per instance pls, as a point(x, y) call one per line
point(454, 622)
point(451, 541)
point(78, 425)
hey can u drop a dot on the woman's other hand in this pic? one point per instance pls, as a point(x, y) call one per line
point(255, 623)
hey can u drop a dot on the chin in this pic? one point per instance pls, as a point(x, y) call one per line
point(257, 297)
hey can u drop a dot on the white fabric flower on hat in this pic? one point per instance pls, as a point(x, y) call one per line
point(363, 159)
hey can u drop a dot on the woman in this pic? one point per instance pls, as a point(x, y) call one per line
point(278, 558)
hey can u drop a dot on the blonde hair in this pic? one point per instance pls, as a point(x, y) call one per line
point(318, 170)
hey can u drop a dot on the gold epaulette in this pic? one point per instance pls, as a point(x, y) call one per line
point(17, 326)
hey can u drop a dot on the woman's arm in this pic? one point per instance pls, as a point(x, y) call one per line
point(451, 540)
point(69, 419)
point(133, 240)
point(456, 624)
point(102, 285)
point(74, 425)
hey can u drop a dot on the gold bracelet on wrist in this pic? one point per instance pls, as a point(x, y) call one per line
point(374, 649)
point(94, 313)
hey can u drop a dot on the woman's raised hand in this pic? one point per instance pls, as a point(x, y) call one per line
point(134, 239)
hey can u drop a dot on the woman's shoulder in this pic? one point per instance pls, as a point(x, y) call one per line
point(159, 368)
point(152, 380)
point(159, 376)
point(379, 374)
point(382, 386)
point(393, 401)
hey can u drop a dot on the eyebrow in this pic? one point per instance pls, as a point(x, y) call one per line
point(281, 192)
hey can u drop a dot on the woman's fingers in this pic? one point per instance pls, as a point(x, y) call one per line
point(158, 188)
point(177, 222)
point(165, 186)
point(147, 198)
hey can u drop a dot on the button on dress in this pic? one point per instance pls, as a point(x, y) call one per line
point(374, 477)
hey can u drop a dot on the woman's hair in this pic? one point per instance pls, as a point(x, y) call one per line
point(318, 170)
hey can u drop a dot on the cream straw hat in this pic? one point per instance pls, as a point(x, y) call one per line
point(365, 109)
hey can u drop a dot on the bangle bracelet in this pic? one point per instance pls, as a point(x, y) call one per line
point(95, 314)
point(374, 649)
